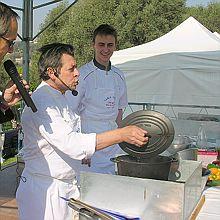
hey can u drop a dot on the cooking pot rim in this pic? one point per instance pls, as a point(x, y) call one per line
point(142, 161)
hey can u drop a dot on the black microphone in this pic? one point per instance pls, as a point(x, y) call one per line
point(13, 73)
point(74, 92)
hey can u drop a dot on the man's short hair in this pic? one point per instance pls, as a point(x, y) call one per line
point(6, 14)
point(104, 29)
point(51, 57)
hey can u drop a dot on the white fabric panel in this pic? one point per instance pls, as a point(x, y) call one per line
point(217, 34)
point(175, 78)
point(182, 67)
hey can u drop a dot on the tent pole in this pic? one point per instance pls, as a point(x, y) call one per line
point(27, 33)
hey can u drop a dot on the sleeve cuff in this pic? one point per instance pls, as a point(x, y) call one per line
point(91, 145)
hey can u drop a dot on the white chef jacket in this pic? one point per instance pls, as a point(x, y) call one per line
point(101, 93)
point(51, 144)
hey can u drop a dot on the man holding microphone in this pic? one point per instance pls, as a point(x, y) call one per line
point(8, 35)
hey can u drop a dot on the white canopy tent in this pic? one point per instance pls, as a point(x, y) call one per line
point(217, 34)
point(182, 67)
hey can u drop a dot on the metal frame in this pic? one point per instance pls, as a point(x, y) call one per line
point(151, 106)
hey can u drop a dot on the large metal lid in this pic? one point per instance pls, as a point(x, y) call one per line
point(159, 127)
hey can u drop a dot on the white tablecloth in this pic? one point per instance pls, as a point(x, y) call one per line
point(211, 208)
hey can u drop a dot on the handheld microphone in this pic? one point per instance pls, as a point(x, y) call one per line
point(74, 92)
point(13, 73)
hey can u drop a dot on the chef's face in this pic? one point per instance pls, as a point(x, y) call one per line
point(68, 73)
point(104, 46)
point(6, 41)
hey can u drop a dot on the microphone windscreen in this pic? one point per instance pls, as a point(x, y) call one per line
point(10, 68)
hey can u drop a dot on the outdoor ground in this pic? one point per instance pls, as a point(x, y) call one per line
point(8, 186)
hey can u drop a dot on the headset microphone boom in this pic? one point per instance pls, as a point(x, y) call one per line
point(74, 92)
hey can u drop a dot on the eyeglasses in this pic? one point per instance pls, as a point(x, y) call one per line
point(9, 42)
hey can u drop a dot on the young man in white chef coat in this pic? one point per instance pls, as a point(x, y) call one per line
point(52, 140)
point(102, 98)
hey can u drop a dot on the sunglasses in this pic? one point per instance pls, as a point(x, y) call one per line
point(9, 42)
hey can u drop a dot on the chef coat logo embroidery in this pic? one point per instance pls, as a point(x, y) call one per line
point(109, 101)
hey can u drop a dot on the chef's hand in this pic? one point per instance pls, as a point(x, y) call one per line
point(86, 162)
point(134, 135)
point(11, 94)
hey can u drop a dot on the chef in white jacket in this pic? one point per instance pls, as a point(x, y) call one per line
point(102, 98)
point(52, 140)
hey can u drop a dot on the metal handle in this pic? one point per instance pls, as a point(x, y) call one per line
point(174, 159)
point(115, 160)
point(84, 208)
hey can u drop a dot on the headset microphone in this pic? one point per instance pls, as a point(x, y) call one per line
point(74, 92)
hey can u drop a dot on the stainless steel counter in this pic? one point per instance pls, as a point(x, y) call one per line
point(145, 198)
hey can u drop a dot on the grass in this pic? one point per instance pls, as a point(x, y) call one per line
point(9, 161)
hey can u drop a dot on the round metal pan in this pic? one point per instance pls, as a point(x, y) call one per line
point(160, 131)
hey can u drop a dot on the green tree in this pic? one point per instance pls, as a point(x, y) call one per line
point(137, 22)
point(52, 34)
point(209, 16)
point(4, 78)
point(34, 79)
point(151, 19)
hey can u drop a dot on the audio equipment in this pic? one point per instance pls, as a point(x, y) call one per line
point(74, 92)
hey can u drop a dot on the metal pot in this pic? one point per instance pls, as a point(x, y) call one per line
point(145, 162)
point(153, 168)
point(187, 154)
point(180, 142)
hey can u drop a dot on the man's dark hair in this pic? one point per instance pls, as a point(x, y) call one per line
point(104, 29)
point(6, 14)
point(51, 57)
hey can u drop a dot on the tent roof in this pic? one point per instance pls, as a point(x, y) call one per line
point(189, 36)
point(217, 34)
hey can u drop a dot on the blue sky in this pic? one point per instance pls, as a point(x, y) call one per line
point(39, 14)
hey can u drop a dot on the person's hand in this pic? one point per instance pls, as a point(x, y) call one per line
point(11, 94)
point(134, 135)
point(86, 162)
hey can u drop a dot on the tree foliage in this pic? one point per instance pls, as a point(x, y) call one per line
point(137, 22)
point(209, 16)
point(34, 78)
point(3, 77)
